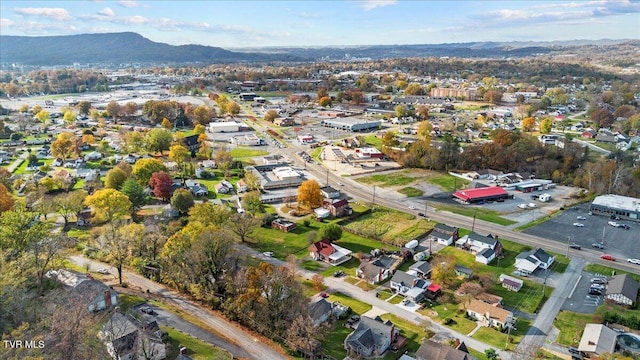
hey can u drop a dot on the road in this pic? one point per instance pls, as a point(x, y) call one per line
point(250, 344)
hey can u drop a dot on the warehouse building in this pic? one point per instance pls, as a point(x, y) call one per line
point(351, 124)
point(479, 195)
point(624, 207)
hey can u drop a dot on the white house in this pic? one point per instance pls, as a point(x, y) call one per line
point(528, 261)
point(485, 256)
point(410, 286)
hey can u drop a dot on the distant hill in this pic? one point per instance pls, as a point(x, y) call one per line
point(128, 47)
point(110, 48)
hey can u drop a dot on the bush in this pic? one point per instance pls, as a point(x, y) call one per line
point(16, 136)
point(306, 222)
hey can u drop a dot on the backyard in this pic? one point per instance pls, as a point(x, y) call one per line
point(389, 226)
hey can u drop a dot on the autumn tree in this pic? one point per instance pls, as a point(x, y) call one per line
point(331, 232)
point(64, 146)
point(271, 115)
point(414, 89)
point(6, 179)
point(424, 130)
point(144, 168)
point(528, 124)
point(180, 154)
point(68, 205)
point(158, 140)
point(324, 101)
point(208, 214)
point(423, 112)
point(471, 290)
point(114, 110)
point(322, 92)
point(232, 108)
point(401, 111)
point(161, 182)
point(545, 125)
point(309, 195)
point(166, 124)
point(83, 107)
point(302, 335)
point(130, 109)
point(223, 159)
point(252, 181)
point(43, 116)
point(182, 200)
point(199, 129)
point(243, 225)
point(443, 271)
point(203, 114)
point(6, 199)
point(493, 96)
point(134, 141)
point(115, 178)
point(109, 205)
point(390, 139)
point(120, 245)
point(252, 203)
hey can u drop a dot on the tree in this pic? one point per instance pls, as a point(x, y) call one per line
point(180, 155)
point(424, 131)
point(208, 214)
point(114, 110)
point(414, 89)
point(134, 141)
point(6, 200)
point(68, 205)
point(115, 178)
point(144, 168)
point(5, 179)
point(443, 271)
point(130, 109)
point(390, 139)
point(161, 182)
point(36, 109)
point(43, 254)
point(302, 335)
point(491, 354)
point(109, 205)
point(545, 125)
point(135, 194)
point(64, 147)
point(252, 204)
point(88, 139)
point(203, 114)
point(271, 115)
point(423, 112)
point(331, 232)
point(43, 116)
point(120, 245)
point(493, 96)
point(324, 101)
point(199, 129)
point(182, 200)
point(309, 195)
point(223, 159)
point(69, 117)
point(528, 124)
point(243, 225)
point(166, 124)
point(233, 108)
point(401, 111)
point(252, 181)
point(158, 140)
point(322, 92)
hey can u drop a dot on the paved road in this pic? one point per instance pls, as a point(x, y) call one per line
point(250, 344)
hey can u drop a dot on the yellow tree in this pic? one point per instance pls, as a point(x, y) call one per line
point(528, 123)
point(166, 123)
point(199, 129)
point(545, 125)
point(180, 155)
point(69, 117)
point(325, 101)
point(309, 195)
point(424, 130)
point(271, 115)
point(109, 205)
point(6, 200)
point(64, 146)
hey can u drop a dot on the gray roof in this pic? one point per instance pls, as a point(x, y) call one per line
point(421, 266)
point(623, 284)
point(463, 269)
point(370, 332)
point(483, 239)
point(384, 261)
point(370, 270)
point(318, 309)
point(431, 350)
point(442, 228)
point(533, 255)
point(403, 278)
point(542, 255)
point(486, 253)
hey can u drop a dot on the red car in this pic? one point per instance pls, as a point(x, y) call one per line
point(607, 257)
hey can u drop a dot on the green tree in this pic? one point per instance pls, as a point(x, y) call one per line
point(252, 204)
point(115, 178)
point(135, 194)
point(68, 205)
point(401, 111)
point(182, 200)
point(158, 140)
point(144, 168)
point(331, 232)
point(109, 205)
point(134, 141)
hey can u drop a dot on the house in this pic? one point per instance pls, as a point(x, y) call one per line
point(622, 289)
point(94, 155)
point(410, 286)
point(463, 271)
point(274, 159)
point(241, 186)
point(372, 337)
point(476, 243)
point(528, 261)
point(606, 138)
point(443, 234)
point(129, 338)
point(329, 192)
point(431, 350)
point(322, 310)
point(191, 142)
point(433, 291)
point(597, 339)
point(421, 269)
point(511, 283)
point(333, 254)
point(224, 187)
point(196, 188)
point(485, 256)
point(490, 299)
point(589, 134)
point(321, 213)
point(377, 270)
point(96, 295)
point(283, 224)
point(284, 121)
point(488, 315)
point(337, 207)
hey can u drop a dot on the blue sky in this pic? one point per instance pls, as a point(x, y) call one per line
point(237, 24)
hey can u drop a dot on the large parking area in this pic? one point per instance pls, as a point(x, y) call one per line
point(620, 243)
point(580, 301)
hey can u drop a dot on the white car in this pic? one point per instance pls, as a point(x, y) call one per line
point(341, 184)
point(412, 207)
point(577, 224)
point(581, 218)
point(532, 205)
point(103, 271)
point(267, 254)
point(522, 206)
point(613, 223)
point(634, 261)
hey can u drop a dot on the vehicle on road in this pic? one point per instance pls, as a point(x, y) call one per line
point(147, 310)
point(532, 205)
point(406, 301)
point(421, 214)
point(598, 245)
point(412, 207)
point(607, 257)
point(581, 218)
point(267, 254)
point(338, 273)
point(634, 261)
point(103, 271)
point(577, 224)
point(614, 224)
point(340, 184)
point(575, 246)
point(522, 206)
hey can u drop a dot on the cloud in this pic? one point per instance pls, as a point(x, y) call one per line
point(58, 14)
point(106, 12)
point(128, 3)
point(372, 4)
point(6, 23)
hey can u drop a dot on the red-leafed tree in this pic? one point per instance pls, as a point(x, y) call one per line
point(160, 182)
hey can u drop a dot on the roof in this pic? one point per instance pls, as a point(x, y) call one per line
point(463, 269)
point(486, 253)
point(483, 308)
point(623, 284)
point(433, 288)
point(318, 309)
point(323, 247)
point(421, 266)
point(489, 240)
point(618, 202)
point(442, 228)
point(328, 189)
point(403, 278)
point(370, 270)
point(370, 332)
point(598, 339)
point(480, 193)
point(384, 261)
point(430, 350)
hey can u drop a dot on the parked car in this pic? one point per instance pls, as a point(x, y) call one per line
point(575, 246)
point(421, 214)
point(581, 218)
point(595, 292)
point(522, 206)
point(103, 271)
point(598, 245)
point(267, 254)
point(599, 280)
point(625, 226)
point(532, 205)
point(607, 257)
point(597, 286)
point(634, 261)
point(338, 273)
point(613, 223)
point(520, 273)
point(577, 224)
point(147, 310)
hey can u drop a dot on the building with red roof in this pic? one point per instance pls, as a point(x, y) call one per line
point(492, 193)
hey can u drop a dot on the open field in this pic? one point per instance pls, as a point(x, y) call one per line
point(196, 349)
point(389, 226)
point(499, 340)
point(447, 182)
point(242, 152)
point(484, 214)
point(571, 325)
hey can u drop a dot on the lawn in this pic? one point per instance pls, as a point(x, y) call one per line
point(126, 301)
point(356, 306)
point(447, 182)
point(441, 312)
point(241, 152)
point(316, 153)
point(374, 141)
point(571, 325)
point(401, 178)
point(196, 349)
point(414, 333)
point(483, 214)
point(311, 265)
point(498, 340)
point(605, 270)
point(411, 191)
point(333, 343)
point(389, 226)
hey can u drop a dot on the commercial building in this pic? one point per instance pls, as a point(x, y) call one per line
point(351, 124)
point(492, 193)
point(276, 176)
point(224, 126)
point(623, 206)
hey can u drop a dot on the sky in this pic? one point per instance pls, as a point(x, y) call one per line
point(244, 23)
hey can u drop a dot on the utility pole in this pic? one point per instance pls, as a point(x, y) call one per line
point(327, 176)
point(473, 225)
point(374, 197)
point(568, 239)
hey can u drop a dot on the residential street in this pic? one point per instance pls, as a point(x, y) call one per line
point(250, 344)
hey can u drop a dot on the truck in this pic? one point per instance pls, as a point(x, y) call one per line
point(544, 197)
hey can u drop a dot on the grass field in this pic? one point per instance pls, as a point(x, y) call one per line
point(196, 349)
point(356, 306)
point(411, 191)
point(447, 182)
point(571, 325)
point(483, 214)
point(441, 312)
point(241, 152)
point(498, 340)
point(385, 180)
point(414, 333)
point(389, 226)
point(374, 141)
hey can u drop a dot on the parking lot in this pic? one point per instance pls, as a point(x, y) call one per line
point(580, 301)
point(619, 242)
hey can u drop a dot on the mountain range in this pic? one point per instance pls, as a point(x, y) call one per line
point(128, 47)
